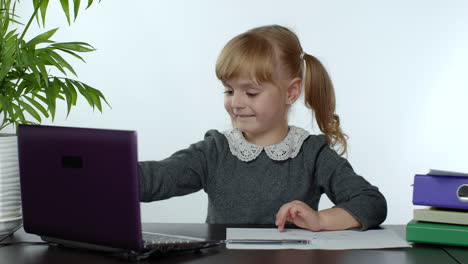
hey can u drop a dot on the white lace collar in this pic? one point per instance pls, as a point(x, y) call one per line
point(246, 151)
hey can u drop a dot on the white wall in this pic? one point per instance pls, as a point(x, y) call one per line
point(399, 70)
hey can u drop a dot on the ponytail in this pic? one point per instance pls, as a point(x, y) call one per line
point(320, 98)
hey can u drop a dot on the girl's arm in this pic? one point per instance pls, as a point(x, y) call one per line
point(184, 172)
point(300, 214)
point(358, 203)
point(349, 191)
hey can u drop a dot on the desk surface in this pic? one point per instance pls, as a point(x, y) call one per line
point(41, 254)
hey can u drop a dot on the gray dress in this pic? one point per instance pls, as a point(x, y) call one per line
point(251, 192)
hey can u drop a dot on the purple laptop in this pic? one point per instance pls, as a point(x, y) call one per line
point(80, 187)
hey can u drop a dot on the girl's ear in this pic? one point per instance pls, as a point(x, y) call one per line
point(294, 91)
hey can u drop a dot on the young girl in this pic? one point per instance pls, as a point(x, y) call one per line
point(263, 171)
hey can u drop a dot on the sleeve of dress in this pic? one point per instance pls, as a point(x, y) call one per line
point(348, 190)
point(184, 172)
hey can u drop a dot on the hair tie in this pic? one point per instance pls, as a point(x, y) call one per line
point(302, 55)
point(304, 69)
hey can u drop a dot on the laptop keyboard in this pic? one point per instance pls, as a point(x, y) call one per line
point(161, 239)
point(173, 242)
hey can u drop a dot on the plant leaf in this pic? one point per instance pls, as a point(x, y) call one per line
point(5, 66)
point(13, 13)
point(42, 38)
point(76, 4)
point(90, 2)
point(10, 35)
point(7, 50)
point(23, 59)
point(32, 85)
point(30, 110)
point(10, 112)
point(98, 93)
point(84, 92)
point(43, 8)
point(7, 87)
point(92, 92)
point(18, 113)
point(5, 19)
point(36, 74)
point(37, 105)
point(58, 88)
point(43, 71)
point(72, 90)
point(9, 46)
point(51, 97)
point(42, 98)
point(21, 88)
point(66, 10)
point(36, 6)
point(75, 46)
point(44, 55)
point(61, 61)
point(68, 97)
point(73, 54)
point(2, 102)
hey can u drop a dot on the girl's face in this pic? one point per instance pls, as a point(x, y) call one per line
point(256, 110)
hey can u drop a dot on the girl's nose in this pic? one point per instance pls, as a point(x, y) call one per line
point(237, 100)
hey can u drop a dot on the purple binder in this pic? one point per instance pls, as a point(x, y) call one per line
point(441, 191)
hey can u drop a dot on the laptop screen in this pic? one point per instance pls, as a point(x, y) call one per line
point(80, 184)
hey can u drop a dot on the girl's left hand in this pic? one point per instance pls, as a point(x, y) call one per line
point(300, 214)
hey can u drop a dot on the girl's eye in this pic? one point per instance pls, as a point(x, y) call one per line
point(251, 94)
point(227, 92)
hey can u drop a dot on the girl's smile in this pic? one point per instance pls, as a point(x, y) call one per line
point(243, 115)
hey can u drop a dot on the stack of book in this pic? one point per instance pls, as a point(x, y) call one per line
point(445, 220)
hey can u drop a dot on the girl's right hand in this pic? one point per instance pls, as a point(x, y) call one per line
point(300, 214)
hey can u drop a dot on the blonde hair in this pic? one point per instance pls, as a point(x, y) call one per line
point(263, 51)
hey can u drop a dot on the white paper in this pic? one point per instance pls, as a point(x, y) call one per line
point(347, 239)
point(447, 173)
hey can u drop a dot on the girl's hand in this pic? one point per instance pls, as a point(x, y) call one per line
point(300, 214)
point(303, 216)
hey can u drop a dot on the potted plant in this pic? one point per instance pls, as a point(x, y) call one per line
point(33, 75)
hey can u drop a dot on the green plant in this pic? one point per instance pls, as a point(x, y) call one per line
point(26, 82)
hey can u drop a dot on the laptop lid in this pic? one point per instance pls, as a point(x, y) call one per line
point(80, 184)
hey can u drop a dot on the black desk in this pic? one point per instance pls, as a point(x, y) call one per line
point(41, 254)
